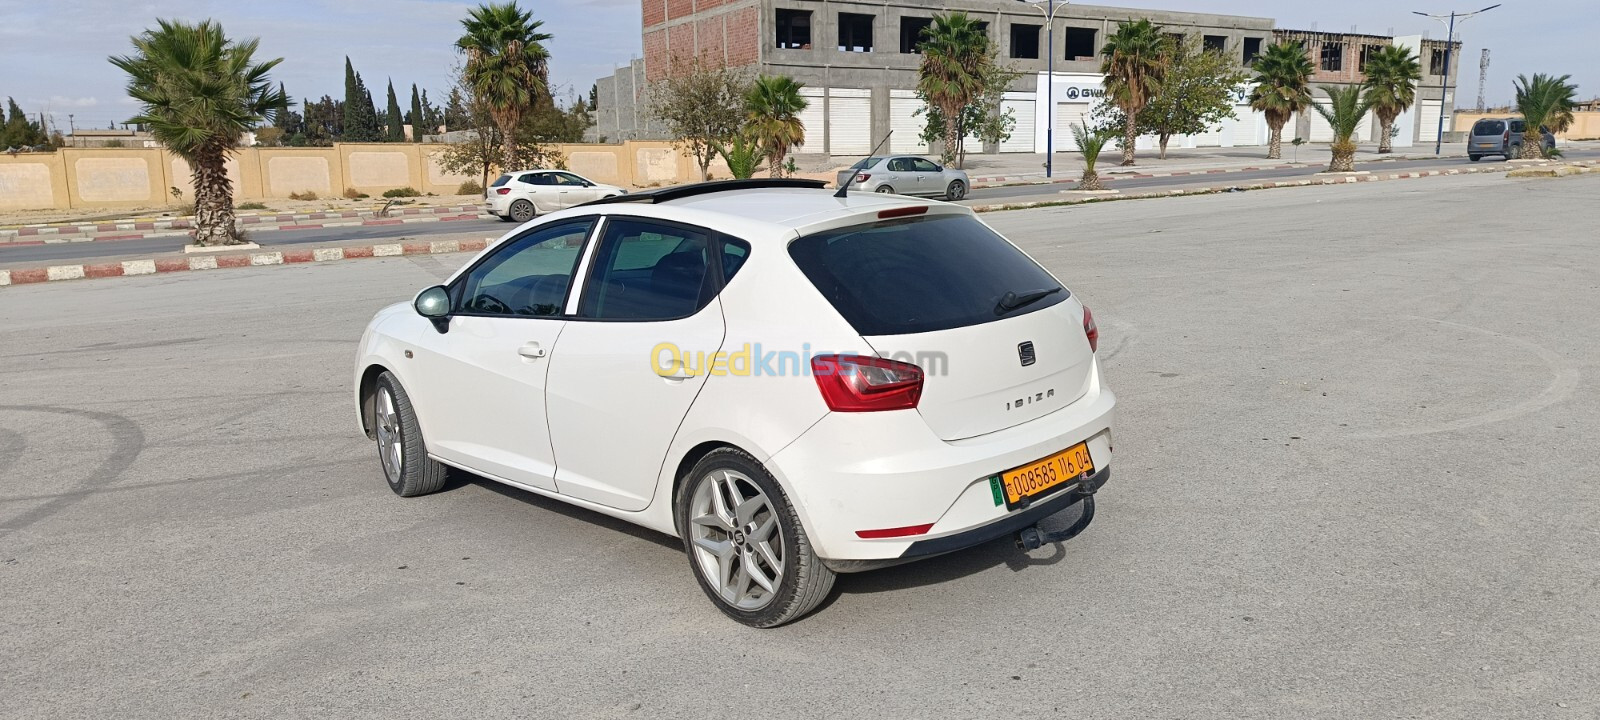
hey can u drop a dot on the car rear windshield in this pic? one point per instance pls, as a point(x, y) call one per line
point(503, 179)
point(1489, 127)
point(923, 274)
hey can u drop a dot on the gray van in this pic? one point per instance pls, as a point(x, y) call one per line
point(1503, 137)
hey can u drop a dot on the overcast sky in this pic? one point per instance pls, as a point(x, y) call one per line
point(53, 54)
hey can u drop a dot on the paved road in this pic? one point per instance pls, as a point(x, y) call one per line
point(79, 252)
point(1355, 479)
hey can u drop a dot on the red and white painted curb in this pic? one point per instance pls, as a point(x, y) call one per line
point(256, 223)
point(153, 266)
point(1036, 180)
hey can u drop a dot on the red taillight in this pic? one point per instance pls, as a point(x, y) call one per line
point(863, 177)
point(856, 383)
point(1090, 329)
point(894, 532)
point(1507, 135)
point(503, 191)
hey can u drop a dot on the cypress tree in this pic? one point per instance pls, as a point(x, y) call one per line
point(353, 123)
point(393, 132)
point(418, 121)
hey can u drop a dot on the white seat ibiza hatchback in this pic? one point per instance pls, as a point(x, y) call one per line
point(794, 383)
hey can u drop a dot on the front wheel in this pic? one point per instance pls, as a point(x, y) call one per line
point(401, 450)
point(745, 543)
point(956, 191)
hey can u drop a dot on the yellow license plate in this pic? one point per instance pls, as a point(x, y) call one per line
point(1039, 478)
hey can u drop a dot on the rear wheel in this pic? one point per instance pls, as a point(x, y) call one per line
point(956, 191)
point(1474, 158)
point(745, 543)
point(401, 450)
point(885, 190)
point(522, 211)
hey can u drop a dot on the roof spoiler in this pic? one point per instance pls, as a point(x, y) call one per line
point(680, 192)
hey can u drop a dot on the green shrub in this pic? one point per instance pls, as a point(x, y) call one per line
point(470, 187)
point(250, 206)
point(402, 193)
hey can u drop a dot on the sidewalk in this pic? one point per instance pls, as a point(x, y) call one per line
point(179, 227)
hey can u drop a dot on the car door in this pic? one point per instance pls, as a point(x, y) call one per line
point(575, 190)
point(633, 358)
point(542, 190)
point(485, 377)
point(930, 177)
point(900, 176)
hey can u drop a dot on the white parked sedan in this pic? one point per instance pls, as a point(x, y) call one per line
point(522, 195)
point(794, 384)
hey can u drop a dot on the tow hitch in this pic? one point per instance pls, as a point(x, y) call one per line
point(1031, 538)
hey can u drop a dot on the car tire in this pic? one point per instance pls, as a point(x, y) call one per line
point(504, 218)
point(730, 512)
point(956, 191)
point(884, 190)
point(1474, 158)
point(401, 450)
point(522, 211)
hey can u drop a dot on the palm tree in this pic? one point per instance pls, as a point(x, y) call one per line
point(955, 50)
point(200, 92)
point(1392, 76)
point(1090, 143)
point(507, 64)
point(1135, 58)
point(773, 108)
point(1544, 101)
point(1343, 113)
point(1283, 88)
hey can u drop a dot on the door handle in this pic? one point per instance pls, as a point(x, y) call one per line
point(531, 351)
point(679, 372)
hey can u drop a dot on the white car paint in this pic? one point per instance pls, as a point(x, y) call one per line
point(548, 190)
point(589, 422)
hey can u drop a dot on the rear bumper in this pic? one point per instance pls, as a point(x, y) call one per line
point(854, 472)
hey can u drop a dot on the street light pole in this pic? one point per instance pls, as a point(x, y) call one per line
point(1050, 86)
point(1444, 81)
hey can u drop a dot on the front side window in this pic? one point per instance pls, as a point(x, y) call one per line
point(923, 274)
point(527, 277)
point(645, 270)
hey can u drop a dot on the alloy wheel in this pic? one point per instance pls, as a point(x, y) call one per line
point(737, 543)
point(391, 439)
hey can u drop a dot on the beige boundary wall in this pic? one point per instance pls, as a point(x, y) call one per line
point(144, 177)
point(1585, 125)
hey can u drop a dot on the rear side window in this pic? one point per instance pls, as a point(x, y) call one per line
point(1489, 127)
point(503, 179)
point(1518, 126)
point(921, 274)
point(648, 271)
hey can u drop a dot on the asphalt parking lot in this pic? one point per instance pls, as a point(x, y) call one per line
point(1355, 478)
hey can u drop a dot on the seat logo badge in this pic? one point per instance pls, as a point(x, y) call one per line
point(1025, 353)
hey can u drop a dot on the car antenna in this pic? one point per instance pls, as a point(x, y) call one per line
point(844, 190)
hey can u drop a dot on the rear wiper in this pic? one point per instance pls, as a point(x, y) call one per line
point(1013, 301)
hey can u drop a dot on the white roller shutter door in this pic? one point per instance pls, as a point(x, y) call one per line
point(1021, 139)
point(1067, 116)
point(1247, 129)
point(850, 121)
point(1321, 131)
point(1429, 132)
point(906, 123)
point(813, 119)
point(1213, 138)
point(1363, 130)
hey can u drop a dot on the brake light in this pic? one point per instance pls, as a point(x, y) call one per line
point(1091, 330)
point(503, 191)
point(902, 212)
point(1507, 136)
point(856, 383)
point(894, 532)
point(863, 177)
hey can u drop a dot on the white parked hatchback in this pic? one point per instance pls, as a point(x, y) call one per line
point(522, 195)
point(793, 383)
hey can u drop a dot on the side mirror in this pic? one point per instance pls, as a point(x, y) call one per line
point(434, 304)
